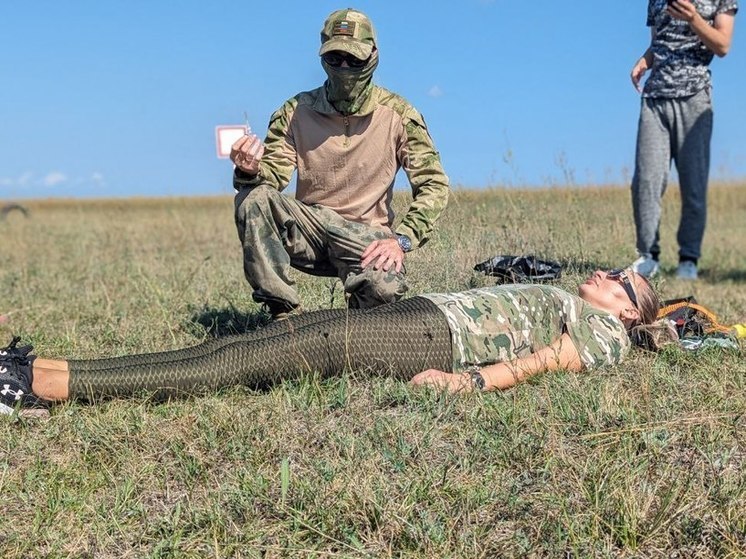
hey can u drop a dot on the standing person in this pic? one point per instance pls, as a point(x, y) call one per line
point(676, 122)
point(346, 139)
point(485, 339)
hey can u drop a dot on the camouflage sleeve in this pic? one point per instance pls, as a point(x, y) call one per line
point(279, 160)
point(727, 6)
point(430, 190)
point(600, 339)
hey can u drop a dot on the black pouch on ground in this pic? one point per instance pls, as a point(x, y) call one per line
point(519, 269)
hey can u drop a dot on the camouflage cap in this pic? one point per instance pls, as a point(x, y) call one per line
point(349, 31)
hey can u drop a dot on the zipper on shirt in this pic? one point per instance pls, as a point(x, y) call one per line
point(346, 121)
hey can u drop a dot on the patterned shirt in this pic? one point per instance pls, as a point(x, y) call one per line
point(680, 59)
point(505, 322)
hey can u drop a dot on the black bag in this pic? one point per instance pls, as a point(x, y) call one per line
point(684, 318)
point(519, 269)
point(696, 326)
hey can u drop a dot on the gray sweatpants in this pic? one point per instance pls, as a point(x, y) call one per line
point(278, 232)
point(677, 130)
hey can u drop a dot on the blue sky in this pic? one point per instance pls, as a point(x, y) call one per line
point(114, 98)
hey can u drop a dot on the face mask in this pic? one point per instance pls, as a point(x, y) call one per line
point(348, 88)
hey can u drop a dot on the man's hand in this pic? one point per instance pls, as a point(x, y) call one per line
point(383, 254)
point(247, 152)
point(452, 382)
point(683, 10)
point(638, 72)
point(716, 37)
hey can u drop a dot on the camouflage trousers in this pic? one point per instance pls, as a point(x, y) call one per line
point(278, 233)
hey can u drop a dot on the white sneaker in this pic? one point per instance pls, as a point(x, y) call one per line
point(646, 266)
point(687, 270)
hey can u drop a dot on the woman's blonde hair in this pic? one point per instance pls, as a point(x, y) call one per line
point(649, 331)
point(648, 302)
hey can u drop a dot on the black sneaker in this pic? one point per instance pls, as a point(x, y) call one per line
point(16, 378)
point(12, 351)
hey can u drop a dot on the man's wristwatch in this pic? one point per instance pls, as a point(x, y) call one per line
point(477, 380)
point(405, 243)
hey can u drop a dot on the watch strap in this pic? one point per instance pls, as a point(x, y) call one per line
point(477, 379)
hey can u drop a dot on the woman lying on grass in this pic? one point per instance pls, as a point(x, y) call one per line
point(484, 339)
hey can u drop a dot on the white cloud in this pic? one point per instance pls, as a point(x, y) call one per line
point(51, 179)
point(435, 91)
point(25, 178)
point(54, 178)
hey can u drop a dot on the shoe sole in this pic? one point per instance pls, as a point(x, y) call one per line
point(24, 412)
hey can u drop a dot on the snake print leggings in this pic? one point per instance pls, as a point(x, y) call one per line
point(400, 339)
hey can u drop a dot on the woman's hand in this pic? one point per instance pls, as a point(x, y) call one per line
point(560, 354)
point(451, 382)
point(247, 152)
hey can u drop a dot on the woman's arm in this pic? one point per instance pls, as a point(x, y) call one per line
point(561, 354)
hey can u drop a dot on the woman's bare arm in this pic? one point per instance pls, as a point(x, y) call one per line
point(561, 354)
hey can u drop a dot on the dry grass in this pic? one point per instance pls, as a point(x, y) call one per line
point(643, 460)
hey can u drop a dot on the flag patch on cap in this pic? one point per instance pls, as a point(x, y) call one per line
point(344, 27)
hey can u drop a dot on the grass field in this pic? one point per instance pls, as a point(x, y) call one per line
point(646, 459)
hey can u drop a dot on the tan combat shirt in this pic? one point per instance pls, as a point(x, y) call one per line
point(348, 163)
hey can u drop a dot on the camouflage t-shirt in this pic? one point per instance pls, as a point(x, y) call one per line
point(502, 323)
point(680, 58)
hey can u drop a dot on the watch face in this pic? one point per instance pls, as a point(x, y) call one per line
point(404, 242)
point(477, 379)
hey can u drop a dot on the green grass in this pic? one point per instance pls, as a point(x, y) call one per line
point(646, 459)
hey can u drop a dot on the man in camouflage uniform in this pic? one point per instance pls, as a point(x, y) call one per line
point(346, 139)
point(676, 122)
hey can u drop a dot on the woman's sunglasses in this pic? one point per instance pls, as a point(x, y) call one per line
point(335, 59)
point(621, 275)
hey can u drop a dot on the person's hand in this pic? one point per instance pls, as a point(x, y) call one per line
point(383, 254)
point(247, 152)
point(683, 10)
point(452, 382)
point(638, 72)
